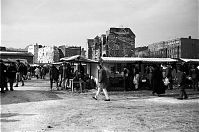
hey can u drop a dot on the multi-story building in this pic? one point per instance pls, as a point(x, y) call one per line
point(175, 48)
point(71, 51)
point(117, 42)
point(120, 42)
point(48, 54)
point(17, 55)
point(141, 52)
point(34, 50)
point(90, 48)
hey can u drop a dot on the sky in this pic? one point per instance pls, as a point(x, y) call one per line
point(72, 22)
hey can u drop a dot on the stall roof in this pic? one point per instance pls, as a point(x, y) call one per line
point(78, 58)
point(189, 60)
point(15, 53)
point(135, 59)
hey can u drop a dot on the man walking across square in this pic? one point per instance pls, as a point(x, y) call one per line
point(103, 83)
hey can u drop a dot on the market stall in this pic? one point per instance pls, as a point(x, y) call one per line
point(115, 67)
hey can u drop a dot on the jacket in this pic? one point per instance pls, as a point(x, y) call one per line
point(102, 76)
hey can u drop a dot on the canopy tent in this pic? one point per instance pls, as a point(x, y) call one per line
point(189, 60)
point(34, 64)
point(8, 60)
point(134, 59)
point(78, 58)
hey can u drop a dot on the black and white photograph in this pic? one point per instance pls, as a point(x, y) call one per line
point(99, 66)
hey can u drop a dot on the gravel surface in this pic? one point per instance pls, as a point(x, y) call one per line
point(34, 108)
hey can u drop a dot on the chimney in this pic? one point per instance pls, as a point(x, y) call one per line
point(189, 37)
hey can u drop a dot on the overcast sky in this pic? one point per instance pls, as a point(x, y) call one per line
point(72, 22)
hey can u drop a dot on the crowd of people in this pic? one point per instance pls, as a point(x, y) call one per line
point(159, 77)
point(61, 76)
point(16, 72)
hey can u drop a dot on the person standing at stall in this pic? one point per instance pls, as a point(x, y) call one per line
point(157, 81)
point(169, 76)
point(102, 83)
point(125, 78)
point(194, 77)
point(181, 80)
point(61, 78)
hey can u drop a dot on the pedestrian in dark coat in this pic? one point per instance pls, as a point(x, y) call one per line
point(11, 74)
point(54, 76)
point(3, 82)
point(157, 81)
point(181, 80)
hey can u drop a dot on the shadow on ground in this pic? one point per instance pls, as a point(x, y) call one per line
point(8, 115)
point(23, 96)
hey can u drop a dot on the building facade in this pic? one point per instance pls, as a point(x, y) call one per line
point(90, 43)
point(73, 50)
point(120, 42)
point(48, 54)
point(17, 55)
point(117, 42)
point(175, 48)
point(34, 49)
point(141, 52)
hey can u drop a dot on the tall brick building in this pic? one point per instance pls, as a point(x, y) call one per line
point(120, 42)
point(90, 43)
point(117, 42)
point(175, 48)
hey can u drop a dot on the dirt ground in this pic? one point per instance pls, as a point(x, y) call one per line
point(34, 108)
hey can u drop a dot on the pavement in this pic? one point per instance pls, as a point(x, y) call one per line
point(34, 108)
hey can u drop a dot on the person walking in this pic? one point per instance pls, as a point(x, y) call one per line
point(11, 74)
point(181, 80)
point(54, 76)
point(102, 83)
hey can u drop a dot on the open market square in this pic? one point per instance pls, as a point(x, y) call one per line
point(34, 108)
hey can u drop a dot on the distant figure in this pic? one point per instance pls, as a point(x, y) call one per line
point(194, 74)
point(181, 80)
point(150, 74)
point(157, 81)
point(136, 78)
point(54, 76)
point(29, 72)
point(11, 74)
point(103, 83)
point(61, 78)
point(125, 78)
point(20, 73)
point(169, 76)
point(81, 69)
point(37, 72)
point(68, 74)
point(3, 82)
